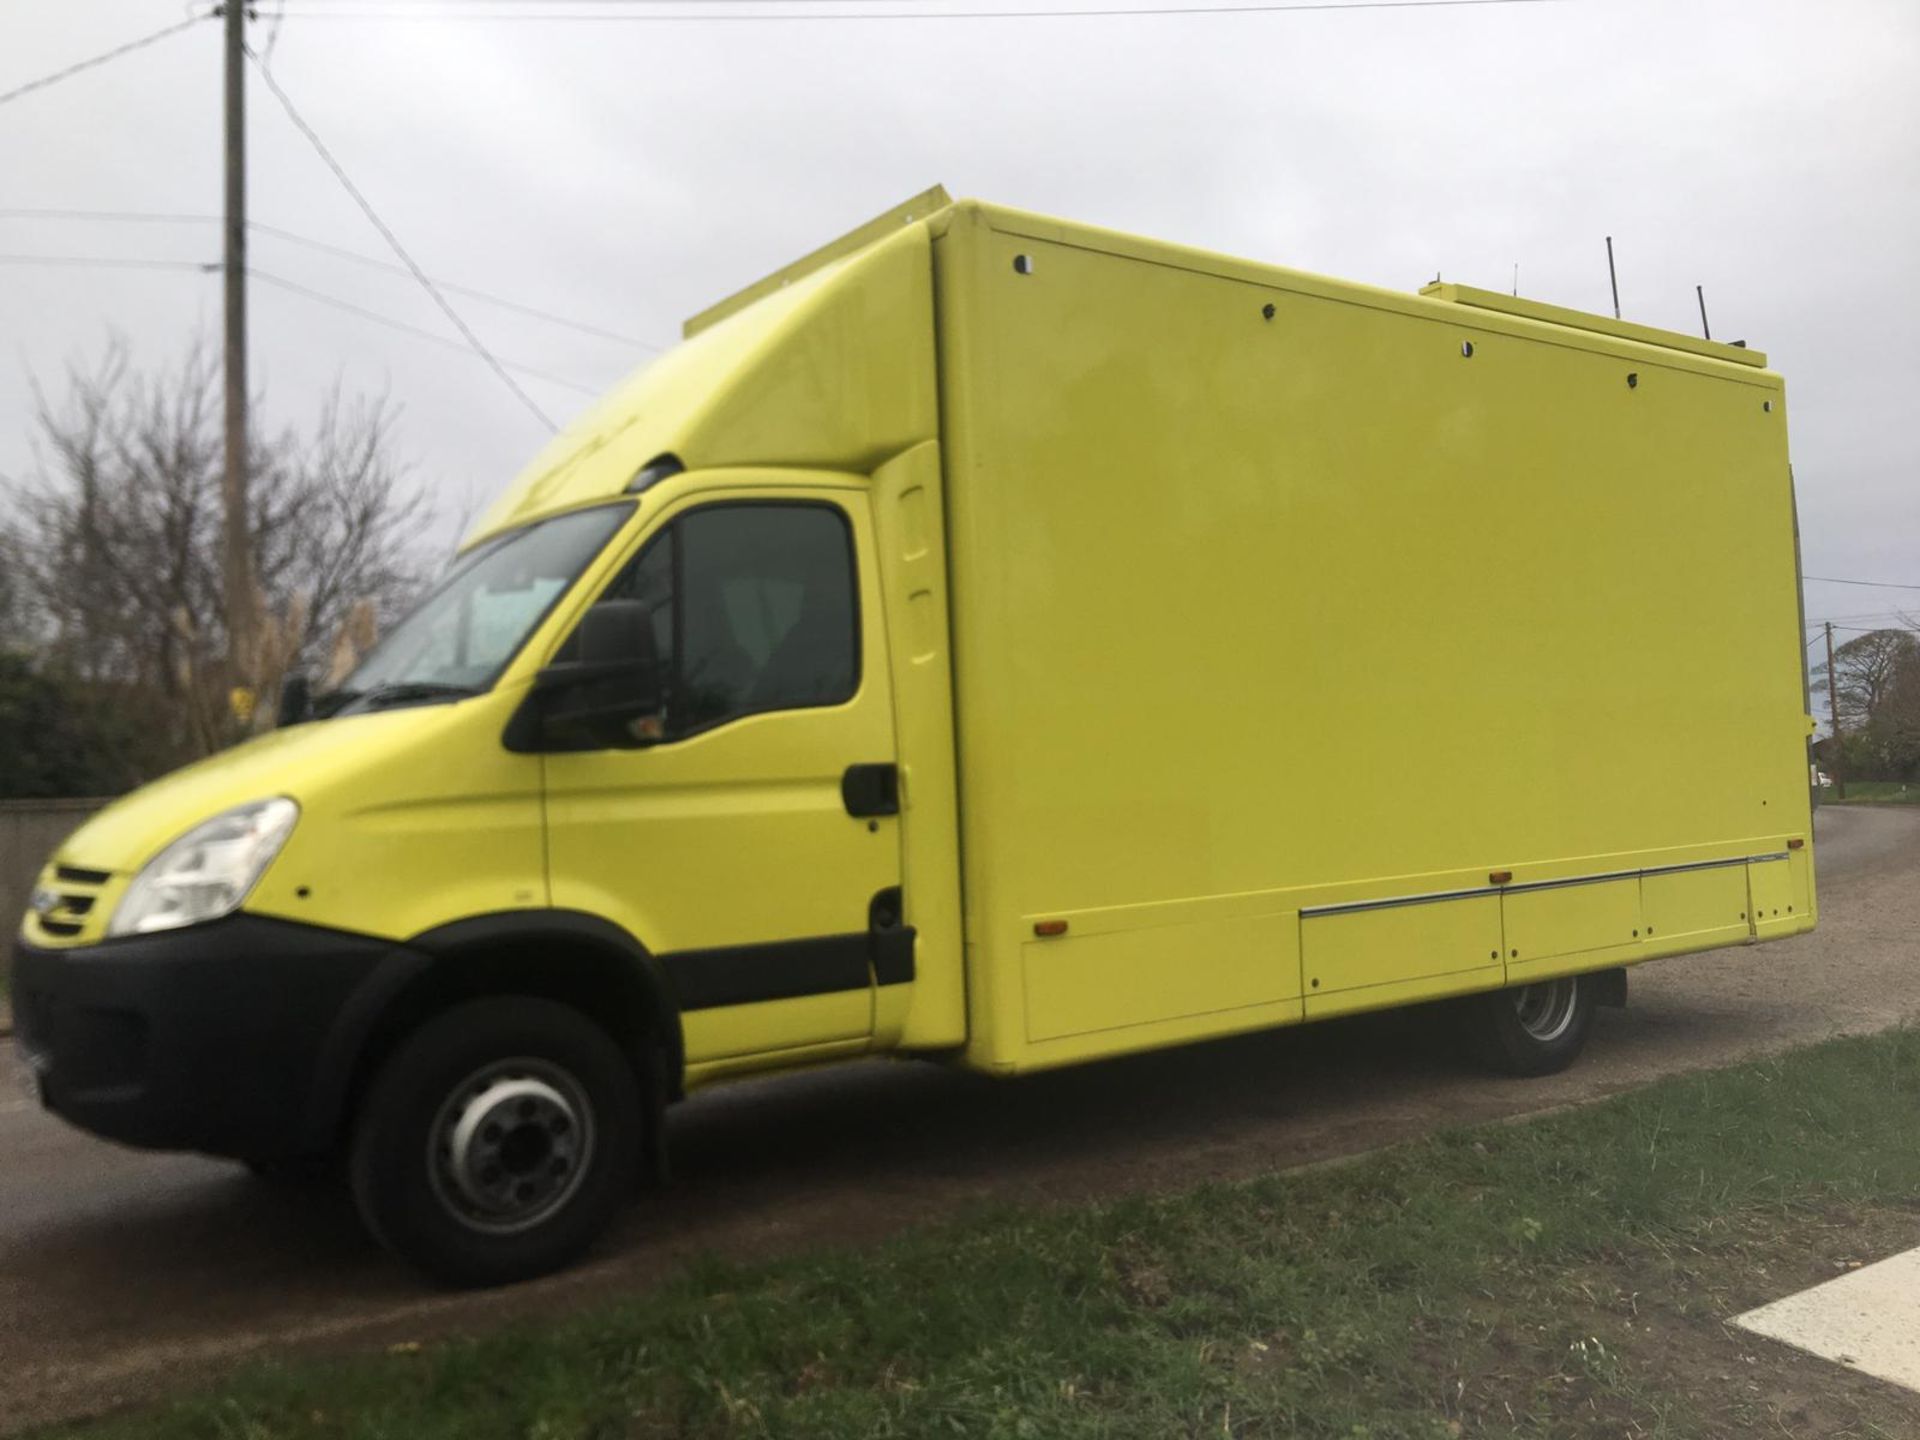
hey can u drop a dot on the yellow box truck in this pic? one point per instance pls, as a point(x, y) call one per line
point(990, 639)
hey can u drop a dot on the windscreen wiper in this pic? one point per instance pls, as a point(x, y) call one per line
point(409, 692)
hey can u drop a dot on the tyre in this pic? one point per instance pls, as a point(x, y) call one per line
point(1536, 1029)
point(497, 1141)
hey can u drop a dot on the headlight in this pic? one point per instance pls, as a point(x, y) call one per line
point(208, 871)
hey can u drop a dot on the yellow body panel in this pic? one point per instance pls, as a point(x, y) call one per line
point(1355, 950)
point(833, 372)
point(1251, 646)
point(737, 836)
point(1270, 585)
point(409, 819)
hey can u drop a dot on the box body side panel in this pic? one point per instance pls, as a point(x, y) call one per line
point(1270, 599)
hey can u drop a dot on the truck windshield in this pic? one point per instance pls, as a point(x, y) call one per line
point(459, 638)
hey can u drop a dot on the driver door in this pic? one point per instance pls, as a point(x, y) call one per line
point(723, 842)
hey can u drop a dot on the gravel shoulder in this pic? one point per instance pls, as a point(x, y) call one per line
point(124, 1275)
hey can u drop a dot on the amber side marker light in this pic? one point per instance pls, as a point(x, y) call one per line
point(1797, 843)
point(1049, 927)
point(1499, 877)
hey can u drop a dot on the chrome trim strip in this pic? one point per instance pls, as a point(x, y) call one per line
point(1397, 901)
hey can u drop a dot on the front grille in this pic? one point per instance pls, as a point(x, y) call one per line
point(76, 893)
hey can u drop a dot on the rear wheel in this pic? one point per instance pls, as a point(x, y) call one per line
point(497, 1141)
point(1535, 1029)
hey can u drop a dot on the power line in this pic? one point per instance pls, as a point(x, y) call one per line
point(281, 282)
point(154, 216)
point(1888, 615)
point(1872, 584)
point(393, 240)
point(344, 253)
point(109, 262)
point(640, 17)
point(296, 288)
point(341, 252)
point(206, 267)
point(8, 96)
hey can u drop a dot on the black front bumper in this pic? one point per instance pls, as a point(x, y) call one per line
point(237, 1038)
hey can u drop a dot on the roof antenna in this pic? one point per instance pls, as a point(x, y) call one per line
point(1613, 279)
point(1705, 329)
point(1516, 279)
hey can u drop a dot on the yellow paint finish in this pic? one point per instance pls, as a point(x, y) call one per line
point(911, 547)
point(737, 835)
point(1560, 316)
point(835, 372)
point(1078, 984)
point(802, 1057)
point(1152, 1035)
point(928, 202)
point(408, 819)
point(1599, 921)
point(1694, 905)
point(1321, 603)
point(1326, 1006)
point(1779, 903)
point(1196, 593)
point(1397, 944)
point(741, 1032)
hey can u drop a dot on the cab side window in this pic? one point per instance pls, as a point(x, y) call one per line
point(753, 609)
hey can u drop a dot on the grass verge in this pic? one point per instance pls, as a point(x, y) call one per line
point(1877, 792)
point(1567, 1276)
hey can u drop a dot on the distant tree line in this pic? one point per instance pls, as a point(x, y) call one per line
point(114, 656)
point(1875, 694)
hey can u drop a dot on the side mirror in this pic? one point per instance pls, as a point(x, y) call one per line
point(296, 699)
point(617, 632)
point(590, 701)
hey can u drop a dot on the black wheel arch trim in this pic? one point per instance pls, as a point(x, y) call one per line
point(352, 1037)
point(574, 925)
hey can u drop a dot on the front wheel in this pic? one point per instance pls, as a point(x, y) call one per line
point(497, 1141)
point(1535, 1029)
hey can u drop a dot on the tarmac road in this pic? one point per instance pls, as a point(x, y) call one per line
point(125, 1274)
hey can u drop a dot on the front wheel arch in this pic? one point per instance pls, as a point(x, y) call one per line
point(569, 957)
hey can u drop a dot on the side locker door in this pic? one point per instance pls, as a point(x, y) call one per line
point(726, 842)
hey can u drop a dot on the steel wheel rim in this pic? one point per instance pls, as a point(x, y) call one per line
point(511, 1145)
point(1545, 1011)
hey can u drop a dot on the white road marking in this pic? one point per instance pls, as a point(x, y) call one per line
point(1867, 1320)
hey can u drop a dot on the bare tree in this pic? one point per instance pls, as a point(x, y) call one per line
point(1864, 672)
point(116, 541)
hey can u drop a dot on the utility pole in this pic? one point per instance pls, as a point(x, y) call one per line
point(241, 660)
point(1833, 706)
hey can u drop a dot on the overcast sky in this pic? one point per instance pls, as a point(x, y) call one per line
point(629, 174)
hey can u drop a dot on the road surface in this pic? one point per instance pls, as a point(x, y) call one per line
point(124, 1274)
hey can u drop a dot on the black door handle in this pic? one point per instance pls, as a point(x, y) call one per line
point(869, 790)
